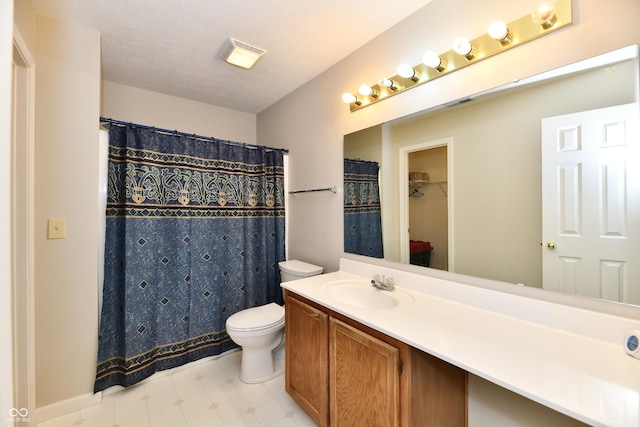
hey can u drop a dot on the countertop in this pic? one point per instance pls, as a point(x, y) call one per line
point(587, 378)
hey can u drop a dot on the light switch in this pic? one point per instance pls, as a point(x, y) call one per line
point(57, 228)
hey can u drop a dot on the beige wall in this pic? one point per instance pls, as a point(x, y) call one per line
point(25, 20)
point(311, 121)
point(364, 145)
point(130, 104)
point(66, 182)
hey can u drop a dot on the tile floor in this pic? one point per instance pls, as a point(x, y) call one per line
point(206, 393)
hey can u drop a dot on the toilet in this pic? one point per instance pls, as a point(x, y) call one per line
point(260, 330)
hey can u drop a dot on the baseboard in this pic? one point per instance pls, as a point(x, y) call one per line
point(67, 406)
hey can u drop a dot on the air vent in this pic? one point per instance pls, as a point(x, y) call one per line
point(240, 53)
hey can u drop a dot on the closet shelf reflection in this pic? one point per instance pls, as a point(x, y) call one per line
point(415, 184)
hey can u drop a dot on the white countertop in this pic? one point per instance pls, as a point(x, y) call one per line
point(581, 375)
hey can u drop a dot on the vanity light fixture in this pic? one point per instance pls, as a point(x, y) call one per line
point(431, 60)
point(408, 72)
point(349, 98)
point(498, 30)
point(546, 18)
point(545, 15)
point(461, 46)
point(366, 90)
point(388, 83)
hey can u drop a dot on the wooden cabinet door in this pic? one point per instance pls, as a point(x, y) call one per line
point(363, 378)
point(306, 358)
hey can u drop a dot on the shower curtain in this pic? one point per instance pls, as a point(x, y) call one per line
point(362, 220)
point(194, 233)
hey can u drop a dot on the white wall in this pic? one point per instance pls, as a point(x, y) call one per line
point(6, 319)
point(66, 153)
point(311, 121)
point(130, 104)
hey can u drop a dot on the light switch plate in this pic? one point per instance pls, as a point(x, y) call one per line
point(57, 228)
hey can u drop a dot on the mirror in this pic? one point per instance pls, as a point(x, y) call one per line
point(495, 170)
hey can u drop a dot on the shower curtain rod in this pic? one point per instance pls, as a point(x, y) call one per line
point(332, 189)
point(190, 135)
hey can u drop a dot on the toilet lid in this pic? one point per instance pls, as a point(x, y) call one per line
point(260, 317)
point(299, 268)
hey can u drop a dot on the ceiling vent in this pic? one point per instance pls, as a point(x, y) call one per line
point(241, 54)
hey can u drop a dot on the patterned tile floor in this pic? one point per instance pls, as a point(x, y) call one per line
point(203, 394)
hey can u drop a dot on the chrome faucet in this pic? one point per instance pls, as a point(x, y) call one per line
point(380, 282)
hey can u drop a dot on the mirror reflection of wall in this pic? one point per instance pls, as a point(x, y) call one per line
point(495, 187)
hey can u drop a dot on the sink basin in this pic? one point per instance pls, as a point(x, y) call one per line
point(360, 294)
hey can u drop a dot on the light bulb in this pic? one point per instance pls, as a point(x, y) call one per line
point(432, 60)
point(545, 15)
point(498, 30)
point(407, 72)
point(461, 46)
point(388, 83)
point(366, 90)
point(349, 98)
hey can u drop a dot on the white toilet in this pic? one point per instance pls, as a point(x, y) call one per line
point(260, 330)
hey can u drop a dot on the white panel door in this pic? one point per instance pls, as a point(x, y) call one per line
point(591, 203)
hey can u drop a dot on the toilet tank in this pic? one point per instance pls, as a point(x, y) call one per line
point(294, 270)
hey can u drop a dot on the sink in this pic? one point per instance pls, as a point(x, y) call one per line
point(360, 294)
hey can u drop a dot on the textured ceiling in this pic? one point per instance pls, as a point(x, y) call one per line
point(172, 46)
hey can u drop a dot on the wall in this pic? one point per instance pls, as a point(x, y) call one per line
point(6, 319)
point(130, 104)
point(311, 121)
point(66, 185)
point(364, 145)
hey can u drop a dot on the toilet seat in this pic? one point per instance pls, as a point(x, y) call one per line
point(257, 318)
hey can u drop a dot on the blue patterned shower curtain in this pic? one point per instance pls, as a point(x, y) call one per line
point(362, 220)
point(195, 231)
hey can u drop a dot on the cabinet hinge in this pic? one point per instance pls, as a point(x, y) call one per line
point(400, 367)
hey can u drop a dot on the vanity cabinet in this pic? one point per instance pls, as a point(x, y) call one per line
point(307, 367)
point(343, 373)
point(364, 378)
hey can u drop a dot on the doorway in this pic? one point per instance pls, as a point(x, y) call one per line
point(426, 213)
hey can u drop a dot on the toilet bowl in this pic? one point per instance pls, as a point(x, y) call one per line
point(260, 330)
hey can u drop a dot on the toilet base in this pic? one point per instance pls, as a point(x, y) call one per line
point(277, 371)
point(259, 367)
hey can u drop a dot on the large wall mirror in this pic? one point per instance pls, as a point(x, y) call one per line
point(468, 187)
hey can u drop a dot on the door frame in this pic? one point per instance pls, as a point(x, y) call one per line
point(23, 264)
point(403, 171)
